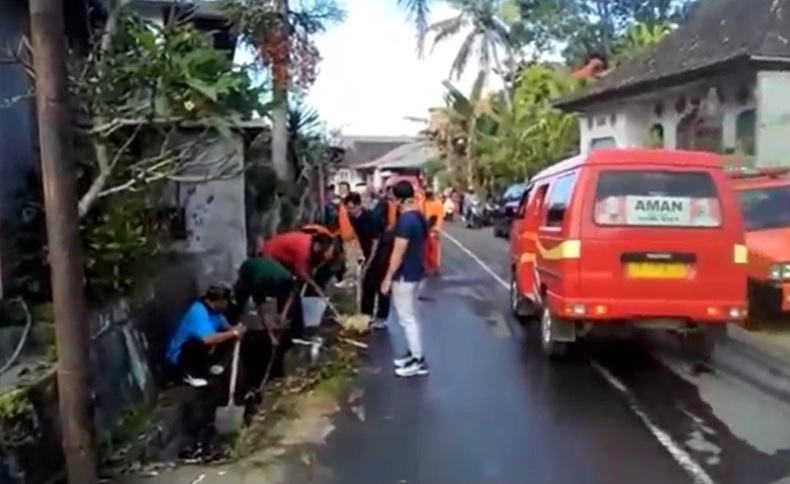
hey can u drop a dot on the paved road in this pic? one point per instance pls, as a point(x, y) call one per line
point(494, 411)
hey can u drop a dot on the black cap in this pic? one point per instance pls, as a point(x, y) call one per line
point(403, 190)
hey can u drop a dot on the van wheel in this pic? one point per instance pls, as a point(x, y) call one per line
point(700, 345)
point(515, 296)
point(521, 307)
point(551, 347)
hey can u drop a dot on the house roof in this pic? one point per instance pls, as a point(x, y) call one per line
point(721, 34)
point(363, 149)
point(412, 155)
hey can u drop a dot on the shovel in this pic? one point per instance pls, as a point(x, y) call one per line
point(229, 419)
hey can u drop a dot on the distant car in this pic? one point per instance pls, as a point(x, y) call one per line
point(505, 210)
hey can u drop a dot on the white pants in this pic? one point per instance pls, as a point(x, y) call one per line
point(404, 308)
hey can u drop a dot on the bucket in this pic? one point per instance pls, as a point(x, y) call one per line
point(313, 309)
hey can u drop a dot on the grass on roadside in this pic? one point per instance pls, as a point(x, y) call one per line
point(338, 367)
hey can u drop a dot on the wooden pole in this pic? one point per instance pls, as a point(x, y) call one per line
point(65, 254)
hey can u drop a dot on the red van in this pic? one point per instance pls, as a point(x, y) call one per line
point(624, 238)
point(764, 195)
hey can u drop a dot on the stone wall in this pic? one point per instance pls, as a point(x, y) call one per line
point(214, 211)
point(128, 344)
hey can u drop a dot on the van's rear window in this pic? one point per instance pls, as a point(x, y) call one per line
point(657, 199)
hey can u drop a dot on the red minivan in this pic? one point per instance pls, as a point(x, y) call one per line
point(630, 238)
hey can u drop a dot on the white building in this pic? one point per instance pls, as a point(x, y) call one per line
point(360, 150)
point(718, 83)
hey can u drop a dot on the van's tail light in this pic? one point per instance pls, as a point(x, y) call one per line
point(740, 254)
point(581, 310)
point(735, 313)
point(738, 313)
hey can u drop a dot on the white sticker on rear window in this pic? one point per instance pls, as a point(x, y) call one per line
point(658, 211)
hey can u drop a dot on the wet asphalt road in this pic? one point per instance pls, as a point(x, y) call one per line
point(494, 411)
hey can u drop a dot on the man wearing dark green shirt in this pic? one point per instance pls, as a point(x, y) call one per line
point(260, 278)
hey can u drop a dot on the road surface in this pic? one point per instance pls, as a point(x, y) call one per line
point(494, 411)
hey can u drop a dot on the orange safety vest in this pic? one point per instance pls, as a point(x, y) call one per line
point(392, 214)
point(346, 230)
point(434, 208)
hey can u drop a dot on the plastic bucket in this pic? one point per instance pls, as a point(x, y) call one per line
point(313, 309)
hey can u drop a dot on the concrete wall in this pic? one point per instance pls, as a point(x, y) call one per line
point(626, 123)
point(773, 122)
point(128, 345)
point(215, 212)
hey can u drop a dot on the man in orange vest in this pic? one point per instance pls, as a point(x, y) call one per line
point(432, 208)
point(351, 248)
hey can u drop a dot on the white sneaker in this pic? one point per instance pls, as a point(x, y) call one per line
point(378, 324)
point(399, 362)
point(195, 382)
point(414, 367)
point(216, 370)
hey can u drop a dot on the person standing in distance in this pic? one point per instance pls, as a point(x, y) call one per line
point(404, 274)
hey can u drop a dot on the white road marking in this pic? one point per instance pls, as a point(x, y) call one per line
point(479, 261)
point(695, 471)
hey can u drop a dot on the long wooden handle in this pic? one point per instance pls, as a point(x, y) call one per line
point(234, 371)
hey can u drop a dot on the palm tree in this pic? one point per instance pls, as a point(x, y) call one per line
point(485, 35)
point(418, 11)
point(454, 129)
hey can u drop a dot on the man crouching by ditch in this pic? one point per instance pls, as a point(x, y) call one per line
point(201, 342)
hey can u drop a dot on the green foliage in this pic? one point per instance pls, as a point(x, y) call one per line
point(139, 91)
point(587, 26)
point(161, 72)
point(514, 143)
point(122, 247)
point(133, 94)
point(485, 34)
point(17, 417)
point(638, 38)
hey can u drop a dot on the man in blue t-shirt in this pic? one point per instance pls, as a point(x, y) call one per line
point(192, 348)
point(406, 271)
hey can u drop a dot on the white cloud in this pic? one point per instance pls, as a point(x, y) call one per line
point(371, 79)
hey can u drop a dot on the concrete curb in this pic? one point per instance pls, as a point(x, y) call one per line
point(754, 361)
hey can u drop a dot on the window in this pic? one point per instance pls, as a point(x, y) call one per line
point(765, 208)
point(603, 143)
point(657, 199)
point(558, 199)
point(656, 136)
point(745, 129)
point(514, 193)
point(522, 205)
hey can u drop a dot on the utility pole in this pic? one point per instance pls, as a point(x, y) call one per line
point(65, 254)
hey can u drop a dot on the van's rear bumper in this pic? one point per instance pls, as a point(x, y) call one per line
point(618, 310)
point(768, 296)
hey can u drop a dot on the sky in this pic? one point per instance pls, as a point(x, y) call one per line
point(370, 78)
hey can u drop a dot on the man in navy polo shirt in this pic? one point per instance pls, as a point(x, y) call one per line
point(406, 271)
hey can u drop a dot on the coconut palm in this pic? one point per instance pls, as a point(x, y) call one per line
point(454, 126)
point(485, 36)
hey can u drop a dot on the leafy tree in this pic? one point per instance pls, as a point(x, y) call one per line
point(513, 144)
point(593, 26)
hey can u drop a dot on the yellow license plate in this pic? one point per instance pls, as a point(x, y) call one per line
point(652, 270)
